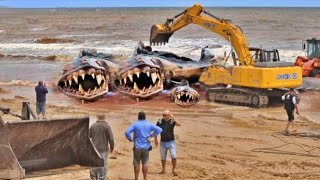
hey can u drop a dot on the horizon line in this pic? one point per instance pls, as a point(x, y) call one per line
point(8, 7)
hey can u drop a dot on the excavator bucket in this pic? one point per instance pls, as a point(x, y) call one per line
point(159, 35)
point(28, 146)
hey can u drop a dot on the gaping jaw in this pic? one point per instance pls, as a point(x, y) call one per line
point(142, 81)
point(86, 83)
point(186, 97)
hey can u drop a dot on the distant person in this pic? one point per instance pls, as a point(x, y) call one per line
point(102, 137)
point(290, 104)
point(41, 92)
point(167, 140)
point(142, 132)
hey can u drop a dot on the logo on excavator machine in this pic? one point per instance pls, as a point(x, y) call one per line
point(209, 25)
point(286, 76)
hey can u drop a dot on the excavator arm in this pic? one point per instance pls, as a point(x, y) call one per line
point(162, 32)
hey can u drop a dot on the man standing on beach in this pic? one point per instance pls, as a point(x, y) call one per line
point(290, 104)
point(102, 136)
point(41, 92)
point(142, 132)
point(167, 142)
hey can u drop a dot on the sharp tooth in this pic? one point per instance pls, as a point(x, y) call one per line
point(154, 77)
point(95, 90)
point(80, 88)
point(70, 82)
point(144, 89)
point(178, 96)
point(120, 81)
point(191, 97)
point(135, 86)
point(187, 100)
point(65, 83)
point(93, 75)
point(99, 79)
point(125, 80)
point(75, 78)
point(138, 74)
point(82, 73)
point(130, 77)
point(150, 87)
point(89, 91)
point(148, 73)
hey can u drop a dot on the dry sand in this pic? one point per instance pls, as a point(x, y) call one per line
point(215, 141)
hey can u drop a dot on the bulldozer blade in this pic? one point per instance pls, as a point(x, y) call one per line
point(158, 35)
point(42, 145)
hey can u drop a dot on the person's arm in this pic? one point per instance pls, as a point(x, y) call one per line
point(45, 90)
point(283, 97)
point(111, 139)
point(156, 142)
point(294, 100)
point(156, 130)
point(176, 121)
point(129, 131)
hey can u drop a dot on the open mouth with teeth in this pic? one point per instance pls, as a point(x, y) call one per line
point(143, 81)
point(87, 83)
point(186, 98)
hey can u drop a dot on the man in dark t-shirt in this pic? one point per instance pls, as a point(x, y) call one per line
point(167, 140)
point(41, 91)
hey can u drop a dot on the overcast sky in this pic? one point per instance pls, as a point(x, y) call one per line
point(157, 3)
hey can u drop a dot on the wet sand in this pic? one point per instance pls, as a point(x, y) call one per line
point(215, 141)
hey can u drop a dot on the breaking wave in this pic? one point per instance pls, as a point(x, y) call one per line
point(124, 48)
point(49, 40)
point(17, 83)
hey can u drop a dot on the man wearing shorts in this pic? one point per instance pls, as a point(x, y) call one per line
point(167, 142)
point(142, 131)
point(41, 92)
point(290, 104)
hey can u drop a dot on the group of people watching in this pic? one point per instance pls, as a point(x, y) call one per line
point(141, 133)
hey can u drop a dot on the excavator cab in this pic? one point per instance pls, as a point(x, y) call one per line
point(263, 55)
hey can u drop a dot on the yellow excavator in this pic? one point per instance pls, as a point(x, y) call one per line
point(247, 82)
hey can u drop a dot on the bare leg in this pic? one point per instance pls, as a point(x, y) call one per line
point(287, 128)
point(145, 172)
point(136, 172)
point(293, 126)
point(174, 164)
point(43, 115)
point(163, 163)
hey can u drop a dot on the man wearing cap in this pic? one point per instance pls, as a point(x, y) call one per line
point(101, 135)
point(167, 142)
point(290, 104)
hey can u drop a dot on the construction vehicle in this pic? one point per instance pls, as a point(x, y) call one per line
point(246, 82)
point(310, 63)
point(34, 145)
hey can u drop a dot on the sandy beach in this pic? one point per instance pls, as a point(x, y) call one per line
point(215, 141)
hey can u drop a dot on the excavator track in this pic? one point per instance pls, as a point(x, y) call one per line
point(238, 96)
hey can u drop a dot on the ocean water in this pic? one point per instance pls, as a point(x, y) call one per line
point(118, 30)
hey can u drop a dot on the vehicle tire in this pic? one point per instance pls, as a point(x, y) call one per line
point(315, 73)
point(255, 102)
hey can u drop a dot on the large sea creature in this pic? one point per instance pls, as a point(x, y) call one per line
point(87, 77)
point(184, 95)
point(140, 77)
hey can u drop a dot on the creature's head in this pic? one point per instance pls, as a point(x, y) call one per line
point(184, 95)
point(140, 77)
point(85, 78)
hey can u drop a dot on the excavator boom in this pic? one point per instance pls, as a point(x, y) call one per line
point(161, 33)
